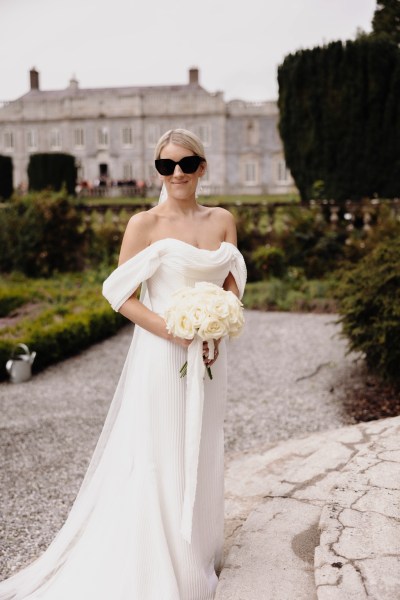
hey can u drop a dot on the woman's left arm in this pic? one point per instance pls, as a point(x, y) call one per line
point(230, 236)
point(229, 283)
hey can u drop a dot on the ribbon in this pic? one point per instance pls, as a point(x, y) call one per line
point(193, 424)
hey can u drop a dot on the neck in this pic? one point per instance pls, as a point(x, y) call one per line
point(181, 206)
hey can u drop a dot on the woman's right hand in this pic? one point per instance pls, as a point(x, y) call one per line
point(180, 341)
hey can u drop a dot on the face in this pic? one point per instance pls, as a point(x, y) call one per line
point(180, 185)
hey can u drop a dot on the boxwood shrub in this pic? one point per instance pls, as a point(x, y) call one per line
point(369, 304)
point(57, 318)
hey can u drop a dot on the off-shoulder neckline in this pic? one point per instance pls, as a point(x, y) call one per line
point(191, 245)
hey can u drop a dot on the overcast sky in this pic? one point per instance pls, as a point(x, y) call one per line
point(236, 44)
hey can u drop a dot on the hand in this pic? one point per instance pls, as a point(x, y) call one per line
point(178, 340)
point(208, 362)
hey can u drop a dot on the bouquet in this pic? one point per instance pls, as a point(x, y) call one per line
point(206, 310)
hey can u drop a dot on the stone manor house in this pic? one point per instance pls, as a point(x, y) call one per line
point(112, 133)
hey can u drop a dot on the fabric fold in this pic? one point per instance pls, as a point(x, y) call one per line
point(193, 423)
point(126, 278)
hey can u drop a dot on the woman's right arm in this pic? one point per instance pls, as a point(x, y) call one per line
point(136, 238)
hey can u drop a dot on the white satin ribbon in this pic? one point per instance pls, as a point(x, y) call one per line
point(193, 423)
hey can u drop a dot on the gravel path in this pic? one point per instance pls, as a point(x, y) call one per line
point(288, 375)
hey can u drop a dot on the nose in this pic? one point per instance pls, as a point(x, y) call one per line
point(178, 171)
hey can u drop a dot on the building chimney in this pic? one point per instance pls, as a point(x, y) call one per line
point(194, 76)
point(34, 79)
point(73, 83)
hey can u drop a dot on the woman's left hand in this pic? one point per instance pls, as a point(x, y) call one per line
point(208, 362)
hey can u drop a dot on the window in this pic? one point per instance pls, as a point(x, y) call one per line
point(102, 137)
point(127, 171)
point(127, 136)
point(283, 175)
point(252, 133)
point(251, 173)
point(81, 170)
point(31, 139)
point(204, 133)
point(55, 139)
point(153, 134)
point(79, 138)
point(9, 141)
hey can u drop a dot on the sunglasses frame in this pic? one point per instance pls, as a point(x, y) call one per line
point(161, 163)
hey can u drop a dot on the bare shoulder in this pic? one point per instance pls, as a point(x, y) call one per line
point(137, 235)
point(226, 221)
point(220, 212)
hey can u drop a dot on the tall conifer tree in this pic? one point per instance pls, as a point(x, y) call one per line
point(386, 20)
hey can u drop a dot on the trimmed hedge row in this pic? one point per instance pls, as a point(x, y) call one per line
point(67, 314)
point(6, 177)
point(53, 170)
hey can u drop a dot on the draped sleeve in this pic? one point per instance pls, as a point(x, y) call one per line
point(126, 278)
point(238, 270)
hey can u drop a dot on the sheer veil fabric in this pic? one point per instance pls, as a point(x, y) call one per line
point(128, 534)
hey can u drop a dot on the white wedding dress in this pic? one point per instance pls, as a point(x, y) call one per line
point(147, 523)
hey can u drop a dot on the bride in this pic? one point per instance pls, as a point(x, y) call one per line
point(147, 523)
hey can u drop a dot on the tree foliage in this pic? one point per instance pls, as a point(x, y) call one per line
point(52, 171)
point(340, 118)
point(386, 20)
point(6, 179)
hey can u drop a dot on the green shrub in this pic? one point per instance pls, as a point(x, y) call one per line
point(6, 177)
point(41, 234)
point(293, 293)
point(369, 304)
point(64, 315)
point(269, 261)
point(104, 240)
point(9, 301)
point(52, 171)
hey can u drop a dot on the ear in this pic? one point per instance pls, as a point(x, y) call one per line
point(203, 168)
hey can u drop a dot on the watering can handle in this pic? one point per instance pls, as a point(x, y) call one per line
point(23, 346)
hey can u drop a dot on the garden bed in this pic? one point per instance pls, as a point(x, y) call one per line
point(56, 317)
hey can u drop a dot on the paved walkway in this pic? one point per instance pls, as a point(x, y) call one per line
point(288, 376)
point(315, 518)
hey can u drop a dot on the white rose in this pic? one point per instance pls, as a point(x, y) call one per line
point(183, 326)
point(219, 307)
point(236, 328)
point(197, 314)
point(212, 328)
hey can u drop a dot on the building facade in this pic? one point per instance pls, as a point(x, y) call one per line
point(112, 133)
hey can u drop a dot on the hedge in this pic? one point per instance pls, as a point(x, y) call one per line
point(41, 234)
point(67, 314)
point(53, 170)
point(369, 304)
point(6, 177)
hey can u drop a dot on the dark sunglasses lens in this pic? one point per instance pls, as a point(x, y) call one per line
point(190, 164)
point(165, 166)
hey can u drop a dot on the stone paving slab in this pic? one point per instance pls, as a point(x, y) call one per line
point(274, 500)
point(359, 550)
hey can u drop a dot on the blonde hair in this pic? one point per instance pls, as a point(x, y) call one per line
point(181, 137)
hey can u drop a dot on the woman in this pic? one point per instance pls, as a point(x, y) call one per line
point(148, 521)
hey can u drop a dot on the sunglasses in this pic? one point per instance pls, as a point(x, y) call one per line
point(188, 164)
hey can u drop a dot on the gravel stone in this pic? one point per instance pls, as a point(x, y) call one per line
point(288, 375)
